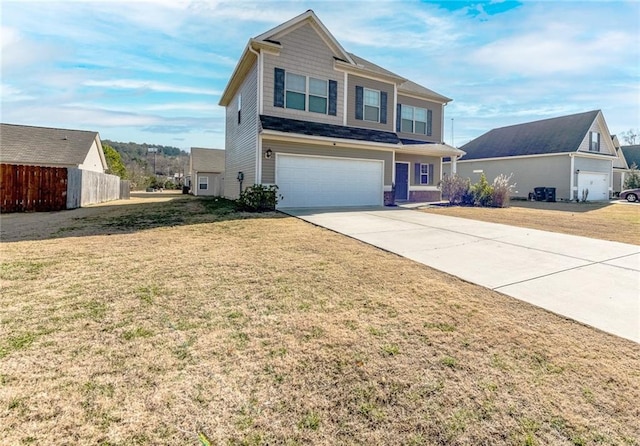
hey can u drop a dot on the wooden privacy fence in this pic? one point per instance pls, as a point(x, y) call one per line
point(32, 188)
point(37, 188)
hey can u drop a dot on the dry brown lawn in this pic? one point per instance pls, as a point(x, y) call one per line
point(617, 222)
point(152, 323)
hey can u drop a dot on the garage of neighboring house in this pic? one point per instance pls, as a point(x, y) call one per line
point(596, 183)
point(206, 170)
point(317, 181)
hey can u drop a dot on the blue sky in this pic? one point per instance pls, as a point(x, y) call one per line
point(153, 71)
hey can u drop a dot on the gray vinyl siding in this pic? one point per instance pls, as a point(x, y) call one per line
point(241, 140)
point(436, 119)
point(357, 81)
point(305, 53)
point(592, 165)
point(419, 159)
point(269, 165)
point(548, 171)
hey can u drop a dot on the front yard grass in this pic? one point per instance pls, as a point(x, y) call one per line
point(606, 221)
point(262, 329)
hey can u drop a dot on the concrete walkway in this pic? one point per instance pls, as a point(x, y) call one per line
point(592, 281)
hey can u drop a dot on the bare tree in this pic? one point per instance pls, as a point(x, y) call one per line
point(631, 137)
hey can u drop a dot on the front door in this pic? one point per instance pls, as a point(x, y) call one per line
point(402, 181)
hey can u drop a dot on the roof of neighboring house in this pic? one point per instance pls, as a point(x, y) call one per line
point(632, 155)
point(287, 125)
point(207, 160)
point(44, 145)
point(555, 135)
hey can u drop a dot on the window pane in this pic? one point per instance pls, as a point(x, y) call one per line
point(371, 97)
point(296, 83)
point(407, 112)
point(371, 113)
point(317, 87)
point(295, 100)
point(407, 126)
point(421, 114)
point(318, 105)
point(424, 179)
point(424, 168)
point(421, 127)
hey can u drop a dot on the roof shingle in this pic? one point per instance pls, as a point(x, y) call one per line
point(555, 135)
point(43, 145)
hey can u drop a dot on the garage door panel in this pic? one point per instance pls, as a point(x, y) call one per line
point(596, 183)
point(324, 181)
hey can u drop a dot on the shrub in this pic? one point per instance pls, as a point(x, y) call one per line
point(258, 198)
point(632, 180)
point(482, 192)
point(501, 191)
point(455, 188)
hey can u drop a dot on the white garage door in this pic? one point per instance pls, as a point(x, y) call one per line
point(596, 183)
point(307, 181)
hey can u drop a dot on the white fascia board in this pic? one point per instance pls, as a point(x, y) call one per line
point(592, 155)
point(356, 70)
point(425, 98)
point(502, 158)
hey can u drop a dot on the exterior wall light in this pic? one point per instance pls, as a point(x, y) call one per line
point(268, 153)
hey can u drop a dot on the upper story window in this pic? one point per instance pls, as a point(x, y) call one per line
point(296, 92)
point(594, 141)
point(305, 93)
point(371, 105)
point(415, 120)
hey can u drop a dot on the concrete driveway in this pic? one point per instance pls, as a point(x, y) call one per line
point(592, 281)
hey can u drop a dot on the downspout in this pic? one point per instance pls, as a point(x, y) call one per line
point(258, 175)
point(454, 164)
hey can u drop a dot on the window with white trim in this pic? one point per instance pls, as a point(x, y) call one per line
point(318, 95)
point(203, 183)
point(296, 91)
point(414, 120)
point(594, 141)
point(371, 105)
point(424, 173)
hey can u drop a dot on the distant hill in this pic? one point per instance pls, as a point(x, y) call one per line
point(139, 162)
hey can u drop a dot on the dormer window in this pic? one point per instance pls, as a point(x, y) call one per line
point(594, 141)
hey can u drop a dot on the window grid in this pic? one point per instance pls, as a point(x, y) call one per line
point(424, 174)
point(371, 105)
point(306, 93)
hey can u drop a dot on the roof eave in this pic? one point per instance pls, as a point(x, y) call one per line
point(360, 70)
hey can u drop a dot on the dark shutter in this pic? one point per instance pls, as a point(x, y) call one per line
point(431, 179)
point(398, 117)
point(333, 98)
point(383, 107)
point(429, 116)
point(598, 149)
point(359, 102)
point(417, 172)
point(278, 88)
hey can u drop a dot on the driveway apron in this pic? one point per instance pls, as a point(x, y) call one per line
point(595, 282)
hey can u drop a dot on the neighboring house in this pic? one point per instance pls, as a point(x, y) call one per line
point(620, 167)
point(206, 169)
point(327, 127)
point(573, 154)
point(45, 169)
point(631, 155)
point(43, 146)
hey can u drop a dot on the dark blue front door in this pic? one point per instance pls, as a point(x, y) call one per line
point(402, 181)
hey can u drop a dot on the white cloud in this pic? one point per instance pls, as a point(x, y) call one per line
point(133, 84)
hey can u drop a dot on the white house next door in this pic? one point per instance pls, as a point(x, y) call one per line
point(317, 181)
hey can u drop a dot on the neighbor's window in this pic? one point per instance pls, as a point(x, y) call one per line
point(203, 183)
point(318, 95)
point(424, 174)
point(594, 141)
point(371, 105)
point(296, 91)
point(239, 106)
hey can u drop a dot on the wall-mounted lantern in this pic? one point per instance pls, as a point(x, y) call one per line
point(268, 154)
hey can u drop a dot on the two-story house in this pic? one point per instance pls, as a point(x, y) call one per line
point(328, 127)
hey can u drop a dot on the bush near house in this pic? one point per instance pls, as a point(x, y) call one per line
point(460, 191)
point(632, 180)
point(258, 198)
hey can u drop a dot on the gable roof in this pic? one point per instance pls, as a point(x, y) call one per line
point(207, 160)
point(46, 146)
point(268, 41)
point(632, 155)
point(554, 135)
